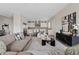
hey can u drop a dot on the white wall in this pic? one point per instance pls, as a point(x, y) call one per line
point(17, 21)
point(6, 20)
point(56, 20)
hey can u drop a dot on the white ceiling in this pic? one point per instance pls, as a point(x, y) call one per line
point(31, 10)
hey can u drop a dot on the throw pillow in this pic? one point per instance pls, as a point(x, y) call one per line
point(2, 48)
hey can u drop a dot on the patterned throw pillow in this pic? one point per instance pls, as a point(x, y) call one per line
point(17, 36)
point(2, 48)
point(70, 51)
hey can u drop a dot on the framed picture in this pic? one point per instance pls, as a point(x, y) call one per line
point(71, 21)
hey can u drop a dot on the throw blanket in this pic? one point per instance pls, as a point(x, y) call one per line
point(74, 50)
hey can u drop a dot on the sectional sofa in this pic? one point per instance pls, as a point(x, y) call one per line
point(10, 46)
